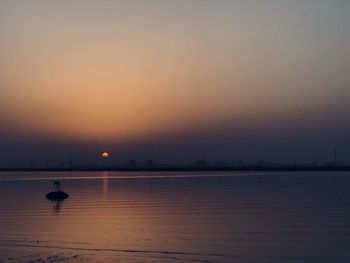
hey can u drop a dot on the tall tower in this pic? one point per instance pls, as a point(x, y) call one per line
point(70, 162)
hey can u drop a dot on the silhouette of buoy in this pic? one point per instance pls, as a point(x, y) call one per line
point(57, 192)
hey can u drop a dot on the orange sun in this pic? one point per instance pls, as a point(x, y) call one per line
point(105, 154)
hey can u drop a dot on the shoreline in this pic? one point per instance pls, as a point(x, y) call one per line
point(185, 169)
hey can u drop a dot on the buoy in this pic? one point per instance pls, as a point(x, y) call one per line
point(57, 192)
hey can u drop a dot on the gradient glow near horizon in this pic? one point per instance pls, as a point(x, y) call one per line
point(128, 71)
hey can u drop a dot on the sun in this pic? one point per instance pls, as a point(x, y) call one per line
point(105, 154)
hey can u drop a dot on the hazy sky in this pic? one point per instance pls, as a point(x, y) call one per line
point(174, 80)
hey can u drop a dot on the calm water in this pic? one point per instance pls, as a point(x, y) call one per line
point(176, 217)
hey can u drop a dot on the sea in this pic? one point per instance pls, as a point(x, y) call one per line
point(176, 217)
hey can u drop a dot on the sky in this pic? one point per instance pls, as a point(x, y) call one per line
point(174, 80)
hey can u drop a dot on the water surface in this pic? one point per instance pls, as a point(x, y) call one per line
point(176, 217)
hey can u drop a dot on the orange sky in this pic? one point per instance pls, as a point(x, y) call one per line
point(126, 72)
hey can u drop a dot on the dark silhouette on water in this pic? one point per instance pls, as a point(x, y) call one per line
point(57, 192)
point(56, 205)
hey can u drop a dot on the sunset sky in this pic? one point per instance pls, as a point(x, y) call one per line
point(174, 80)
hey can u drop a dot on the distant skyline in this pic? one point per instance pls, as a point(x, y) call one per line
point(174, 80)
